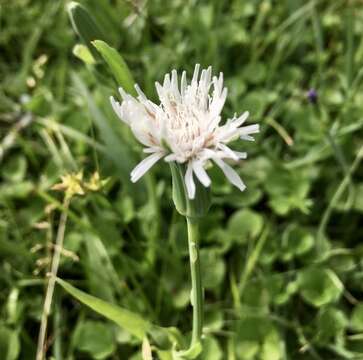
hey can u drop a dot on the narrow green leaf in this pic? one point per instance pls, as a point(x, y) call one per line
point(116, 147)
point(131, 322)
point(83, 53)
point(84, 25)
point(117, 65)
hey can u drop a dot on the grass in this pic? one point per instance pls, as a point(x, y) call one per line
point(124, 243)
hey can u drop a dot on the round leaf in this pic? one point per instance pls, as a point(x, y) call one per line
point(319, 286)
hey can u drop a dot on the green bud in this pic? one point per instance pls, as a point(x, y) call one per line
point(85, 26)
point(195, 208)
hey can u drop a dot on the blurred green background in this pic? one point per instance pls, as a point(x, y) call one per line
point(282, 262)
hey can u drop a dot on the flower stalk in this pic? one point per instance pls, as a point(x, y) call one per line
point(196, 278)
point(51, 282)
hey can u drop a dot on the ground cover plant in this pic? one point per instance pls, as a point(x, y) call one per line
point(281, 262)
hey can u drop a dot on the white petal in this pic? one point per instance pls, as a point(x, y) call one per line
point(124, 94)
point(170, 157)
point(195, 74)
point(251, 129)
point(149, 105)
point(117, 108)
point(189, 182)
point(227, 133)
point(174, 84)
point(241, 119)
point(241, 155)
point(228, 152)
point(140, 92)
point(163, 92)
point(207, 154)
point(247, 138)
point(183, 83)
point(231, 175)
point(201, 173)
point(142, 167)
point(244, 132)
point(218, 101)
point(159, 90)
point(166, 84)
point(213, 123)
point(151, 150)
point(220, 80)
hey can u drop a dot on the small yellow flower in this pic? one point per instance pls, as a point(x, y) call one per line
point(95, 183)
point(71, 184)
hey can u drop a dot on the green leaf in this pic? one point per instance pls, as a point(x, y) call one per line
point(9, 344)
point(101, 274)
point(296, 241)
point(211, 349)
point(357, 317)
point(133, 323)
point(272, 348)
point(244, 225)
point(358, 197)
point(84, 25)
point(255, 335)
point(88, 339)
point(117, 65)
point(14, 170)
point(279, 290)
point(330, 322)
point(213, 267)
point(18, 190)
point(319, 286)
point(247, 349)
point(117, 148)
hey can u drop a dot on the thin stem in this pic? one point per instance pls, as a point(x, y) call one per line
point(51, 282)
point(153, 199)
point(197, 289)
point(252, 260)
point(335, 198)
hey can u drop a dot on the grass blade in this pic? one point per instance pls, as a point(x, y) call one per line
point(129, 321)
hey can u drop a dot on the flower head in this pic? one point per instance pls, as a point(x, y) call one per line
point(312, 96)
point(71, 184)
point(185, 126)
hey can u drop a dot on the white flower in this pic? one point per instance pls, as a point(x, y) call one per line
point(185, 127)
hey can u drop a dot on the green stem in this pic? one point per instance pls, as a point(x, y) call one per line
point(58, 247)
point(153, 199)
point(335, 198)
point(197, 289)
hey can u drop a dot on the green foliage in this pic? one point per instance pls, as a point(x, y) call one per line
point(84, 25)
point(96, 338)
point(117, 66)
point(281, 262)
point(127, 320)
point(9, 343)
point(319, 286)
